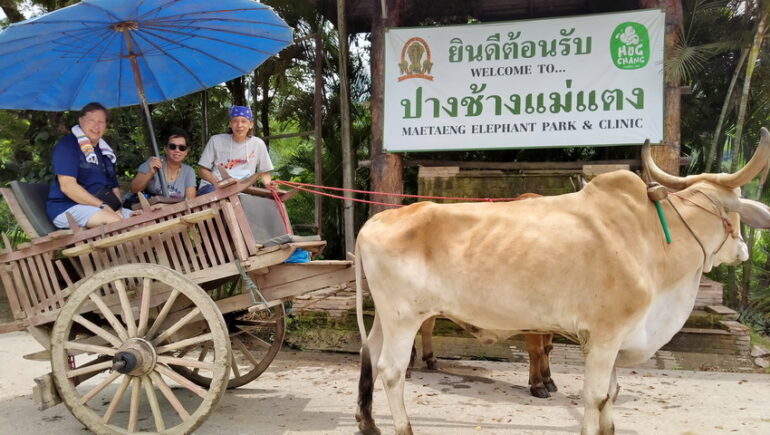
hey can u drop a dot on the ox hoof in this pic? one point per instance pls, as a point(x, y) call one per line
point(540, 392)
point(431, 363)
point(408, 374)
point(550, 386)
point(368, 429)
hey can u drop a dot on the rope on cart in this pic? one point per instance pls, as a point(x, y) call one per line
point(252, 288)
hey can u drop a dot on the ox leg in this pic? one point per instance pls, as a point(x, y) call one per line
point(599, 367)
point(534, 344)
point(426, 337)
point(545, 363)
point(605, 418)
point(426, 333)
point(370, 354)
point(393, 361)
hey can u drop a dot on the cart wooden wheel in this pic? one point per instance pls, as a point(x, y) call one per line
point(255, 339)
point(116, 341)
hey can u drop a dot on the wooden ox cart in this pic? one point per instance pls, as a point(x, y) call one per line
point(147, 321)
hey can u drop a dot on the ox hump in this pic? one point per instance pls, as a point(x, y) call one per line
point(618, 183)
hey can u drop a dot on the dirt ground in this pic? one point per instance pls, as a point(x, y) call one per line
point(315, 393)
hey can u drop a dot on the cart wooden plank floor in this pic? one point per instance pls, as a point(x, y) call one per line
point(161, 311)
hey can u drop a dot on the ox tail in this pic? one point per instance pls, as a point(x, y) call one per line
point(360, 296)
point(366, 379)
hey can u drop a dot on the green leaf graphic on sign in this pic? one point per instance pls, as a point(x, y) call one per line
point(630, 46)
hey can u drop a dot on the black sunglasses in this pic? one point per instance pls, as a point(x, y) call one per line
point(173, 146)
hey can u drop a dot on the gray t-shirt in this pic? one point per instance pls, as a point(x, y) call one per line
point(240, 159)
point(177, 187)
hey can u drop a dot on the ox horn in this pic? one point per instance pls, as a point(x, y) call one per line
point(659, 175)
point(758, 161)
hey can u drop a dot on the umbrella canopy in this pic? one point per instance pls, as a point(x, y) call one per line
point(118, 51)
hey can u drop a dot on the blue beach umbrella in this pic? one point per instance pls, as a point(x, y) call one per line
point(127, 52)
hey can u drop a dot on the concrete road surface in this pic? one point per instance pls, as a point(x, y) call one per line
point(315, 393)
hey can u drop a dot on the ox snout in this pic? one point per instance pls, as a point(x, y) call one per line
point(742, 254)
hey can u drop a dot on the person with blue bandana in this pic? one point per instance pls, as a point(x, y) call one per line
point(239, 152)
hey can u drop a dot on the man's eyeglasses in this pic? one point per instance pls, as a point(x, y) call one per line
point(173, 146)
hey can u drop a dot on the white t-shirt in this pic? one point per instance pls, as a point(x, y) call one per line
point(241, 160)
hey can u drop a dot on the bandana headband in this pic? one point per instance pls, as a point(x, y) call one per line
point(241, 111)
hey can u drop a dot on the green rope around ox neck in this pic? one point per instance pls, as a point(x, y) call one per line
point(662, 221)
point(657, 193)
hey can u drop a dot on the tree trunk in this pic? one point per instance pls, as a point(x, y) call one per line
point(11, 11)
point(667, 156)
point(347, 153)
point(318, 124)
point(712, 155)
point(237, 90)
point(386, 168)
point(264, 114)
point(756, 44)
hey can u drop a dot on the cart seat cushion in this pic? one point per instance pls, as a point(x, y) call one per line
point(263, 216)
point(31, 198)
point(291, 238)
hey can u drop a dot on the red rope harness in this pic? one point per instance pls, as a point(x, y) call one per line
point(306, 187)
point(281, 210)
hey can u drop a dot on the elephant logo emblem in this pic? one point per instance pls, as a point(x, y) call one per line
point(415, 60)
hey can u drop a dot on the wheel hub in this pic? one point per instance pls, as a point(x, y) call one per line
point(136, 357)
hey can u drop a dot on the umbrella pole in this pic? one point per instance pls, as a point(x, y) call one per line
point(147, 119)
point(143, 101)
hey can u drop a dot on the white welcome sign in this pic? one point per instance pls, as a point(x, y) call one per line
point(582, 80)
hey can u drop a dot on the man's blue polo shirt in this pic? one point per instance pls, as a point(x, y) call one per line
point(68, 159)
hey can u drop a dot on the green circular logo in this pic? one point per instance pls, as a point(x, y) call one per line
point(630, 46)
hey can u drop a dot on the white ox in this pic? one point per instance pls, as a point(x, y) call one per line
point(593, 266)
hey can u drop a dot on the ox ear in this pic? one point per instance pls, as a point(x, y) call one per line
point(755, 214)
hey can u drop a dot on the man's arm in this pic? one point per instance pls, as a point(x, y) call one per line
point(266, 179)
point(207, 175)
point(142, 179)
point(74, 191)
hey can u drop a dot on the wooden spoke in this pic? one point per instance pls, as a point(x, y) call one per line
point(92, 348)
point(98, 330)
point(163, 387)
point(116, 399)
point(234, 366)
point(100, 387)
point(125, 305)
point(242, 347)
point(258, 340)
point(144, 309)
point(105, 310)
point(202, 356)
point(184, 362)
point(89, 369)
point(133, 411)
point(184, 343)
point(182, 381)
point(160, 425)
point(176, 326)
point(263, 323)
point(163, 313)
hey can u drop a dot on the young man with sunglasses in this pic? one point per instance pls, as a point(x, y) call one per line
point(180, 178)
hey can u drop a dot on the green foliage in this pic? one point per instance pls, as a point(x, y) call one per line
point(759, 321)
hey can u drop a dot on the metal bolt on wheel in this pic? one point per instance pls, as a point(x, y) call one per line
point(115, 346)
